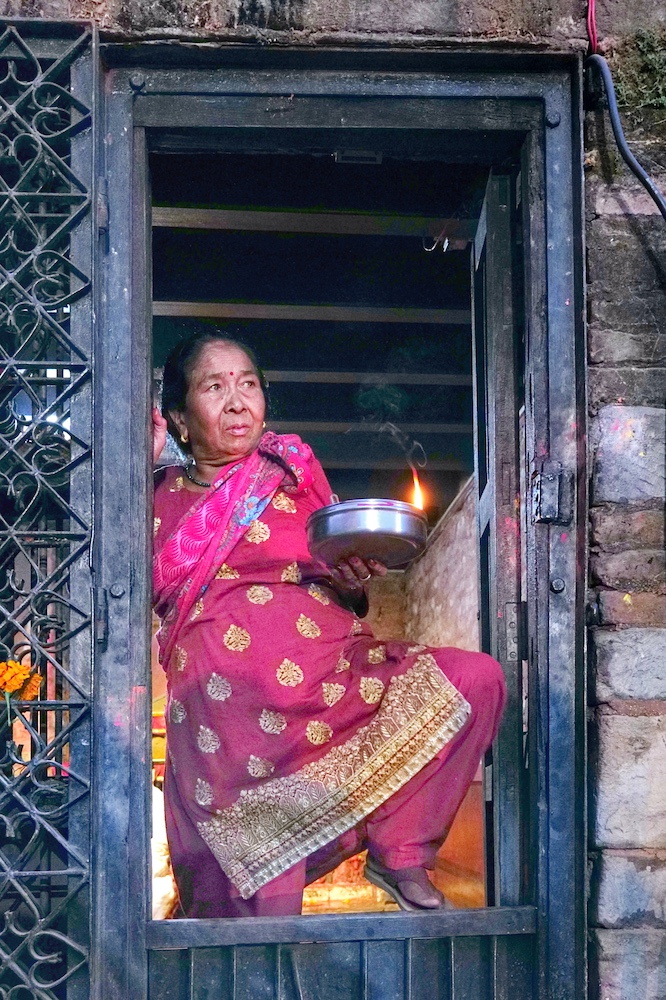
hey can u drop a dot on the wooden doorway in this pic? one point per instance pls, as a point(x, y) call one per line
point(508, 947)
point(348, 275)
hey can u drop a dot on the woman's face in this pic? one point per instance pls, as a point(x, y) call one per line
point(224, 407)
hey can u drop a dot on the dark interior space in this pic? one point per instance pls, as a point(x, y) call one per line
point(331, 267)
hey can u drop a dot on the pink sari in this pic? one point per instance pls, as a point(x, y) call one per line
point(287, 721)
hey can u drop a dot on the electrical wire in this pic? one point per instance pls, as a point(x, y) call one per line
point(592, 27)
point(604, 71)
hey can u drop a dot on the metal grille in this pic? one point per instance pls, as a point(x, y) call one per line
point(45, 513)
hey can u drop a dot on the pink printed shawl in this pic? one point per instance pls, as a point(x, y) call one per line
point(205, 536)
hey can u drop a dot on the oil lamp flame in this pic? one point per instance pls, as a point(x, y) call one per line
point(417, 498)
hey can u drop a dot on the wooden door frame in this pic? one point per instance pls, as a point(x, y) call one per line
point(154, 105)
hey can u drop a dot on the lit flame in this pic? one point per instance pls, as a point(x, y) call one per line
point(417, 498)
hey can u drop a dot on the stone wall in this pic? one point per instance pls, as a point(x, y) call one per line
point(421, 604)
point(531, 23)
point(626, 244)
point(441, 588)
point(386, 616)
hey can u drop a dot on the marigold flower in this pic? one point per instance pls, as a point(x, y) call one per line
point(13, 675)
point(31, 689)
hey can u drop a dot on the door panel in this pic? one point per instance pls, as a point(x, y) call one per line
point(462, 968)
point(496, 405)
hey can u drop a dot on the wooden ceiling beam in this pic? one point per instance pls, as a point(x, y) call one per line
point(361, 378)
point(369, 378)
point(458, 231)
point(333, 314)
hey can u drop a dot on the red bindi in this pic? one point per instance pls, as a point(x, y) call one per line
point(231, 373)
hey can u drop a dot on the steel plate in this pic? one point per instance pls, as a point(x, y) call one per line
point(391, 531)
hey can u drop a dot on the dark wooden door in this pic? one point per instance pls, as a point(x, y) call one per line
point(497, 359)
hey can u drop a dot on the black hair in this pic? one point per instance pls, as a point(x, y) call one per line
point(178, 368)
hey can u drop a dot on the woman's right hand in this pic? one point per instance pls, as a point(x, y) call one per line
point(159, 434)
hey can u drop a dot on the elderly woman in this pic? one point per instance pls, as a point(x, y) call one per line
point(295, 738)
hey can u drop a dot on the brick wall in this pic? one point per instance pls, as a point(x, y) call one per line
point(441, 588)
point(421, 604)
point(626, 239)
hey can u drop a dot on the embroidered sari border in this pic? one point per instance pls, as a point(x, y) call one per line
point(270, 828)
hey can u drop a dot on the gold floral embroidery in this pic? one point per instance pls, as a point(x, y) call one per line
point(259, 595)
point(333, 693)
point(156, 525)
point(207, 740)
point(318, 594)
point(356, 628)
point(371, 690)
point(377, 654)
point(181, 658)
point(227, 573)
point(203, 793)
point(218, 688)
point(270, 828)
point(342, 664)
point(289, 673)
point(415, 649)
point(272, 723)
point(198, 609)
point(284, 503)
point(177, 711)
point(307, 627)
point(258, 532)
point(291, 574)
point(236, 639)
point(178, 485)
point(259, 767)
point(318, 732)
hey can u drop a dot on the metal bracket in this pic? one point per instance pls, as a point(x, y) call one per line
point(515, 632)
point(552, 495)
point(101, 617)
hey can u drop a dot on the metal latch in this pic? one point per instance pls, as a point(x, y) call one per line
point(101, 617)
point(552, 494)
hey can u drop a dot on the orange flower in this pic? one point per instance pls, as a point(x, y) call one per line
point(31, 689)
point(13, 675)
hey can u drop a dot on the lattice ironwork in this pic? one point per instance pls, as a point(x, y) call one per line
point(45, 519)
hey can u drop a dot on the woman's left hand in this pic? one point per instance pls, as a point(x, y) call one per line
point(353, 573)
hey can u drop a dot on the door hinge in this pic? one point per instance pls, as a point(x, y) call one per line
point(515, 631)
point(101, 617)
point(102, 212)
point(552, 494)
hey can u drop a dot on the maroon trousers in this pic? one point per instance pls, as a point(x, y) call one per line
point(408, 829)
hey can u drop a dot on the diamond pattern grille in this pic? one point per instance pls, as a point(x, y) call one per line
point(45, 519)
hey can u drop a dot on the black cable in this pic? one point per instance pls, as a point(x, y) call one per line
point(627, 155)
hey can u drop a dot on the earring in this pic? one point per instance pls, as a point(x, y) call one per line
point(183, 438)
point(264, 424)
